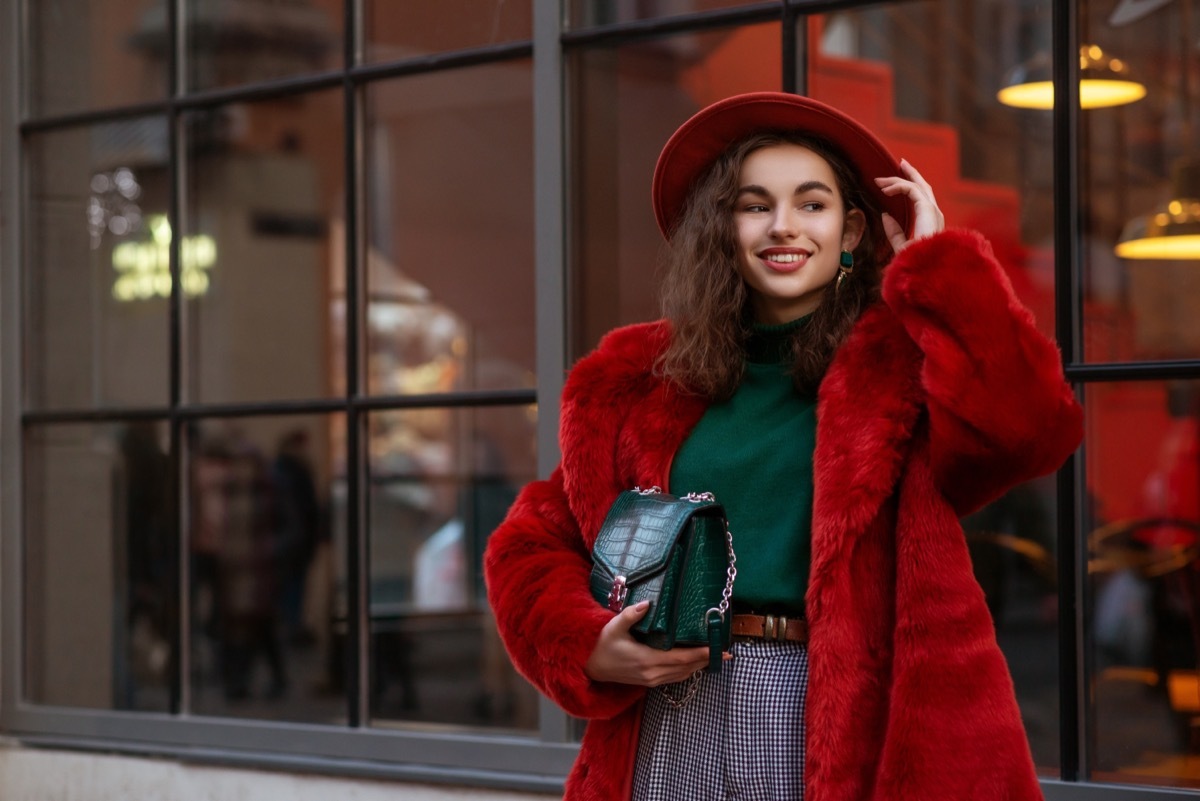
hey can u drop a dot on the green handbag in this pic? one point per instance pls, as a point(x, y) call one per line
point(676, 553)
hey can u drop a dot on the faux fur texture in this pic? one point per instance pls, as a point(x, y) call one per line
point(944, 396)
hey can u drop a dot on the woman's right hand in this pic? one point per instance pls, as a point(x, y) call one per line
point(619, 657)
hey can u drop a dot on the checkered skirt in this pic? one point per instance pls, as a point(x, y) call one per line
point(741, 736)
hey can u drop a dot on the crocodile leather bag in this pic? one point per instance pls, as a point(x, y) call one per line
point(676, 553)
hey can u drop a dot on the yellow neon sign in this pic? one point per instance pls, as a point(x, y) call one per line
point(143, 268)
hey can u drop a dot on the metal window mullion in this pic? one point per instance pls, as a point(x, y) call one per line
point(180, 691)
point(1071, 558)
point(550, 267)
point(795, 76)
point(357, 667)
point(13, 36)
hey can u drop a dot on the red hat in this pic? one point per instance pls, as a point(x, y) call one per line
point(698, 142)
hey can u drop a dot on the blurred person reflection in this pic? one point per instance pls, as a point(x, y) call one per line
point(299, 520)
point(150, 610)
point(234, 552)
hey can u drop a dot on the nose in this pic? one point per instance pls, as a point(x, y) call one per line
point(784, 224)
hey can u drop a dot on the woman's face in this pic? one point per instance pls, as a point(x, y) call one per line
point(791, 227)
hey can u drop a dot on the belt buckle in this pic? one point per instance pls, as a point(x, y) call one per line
point(775, 628)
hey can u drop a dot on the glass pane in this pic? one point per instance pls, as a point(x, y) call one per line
point(1143, 524)
point(263, 567)
point(99, 562)
point(1013, 544)
point(97, 273)
point(94, 53)
point(244, 41)
point(626, 103)
point(441, 480)
point(263, 244)
point(449, 223)
point(418, 27)
point(587, 13)
point(1140, 170)
point(924, 77)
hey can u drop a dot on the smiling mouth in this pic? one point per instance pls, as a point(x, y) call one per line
point(784, 258)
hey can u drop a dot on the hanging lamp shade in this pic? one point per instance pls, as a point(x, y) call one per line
point(1103, 81)
point(1173, 231)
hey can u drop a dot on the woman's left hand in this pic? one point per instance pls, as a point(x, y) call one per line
point(928, 219)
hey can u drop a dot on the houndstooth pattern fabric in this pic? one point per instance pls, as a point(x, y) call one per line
point(741, 738)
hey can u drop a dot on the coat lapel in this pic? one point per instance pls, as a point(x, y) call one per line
point(867, 408)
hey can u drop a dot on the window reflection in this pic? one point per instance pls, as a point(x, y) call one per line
point(262, 569)
point(96, 266)
point(441, 481)
point(260, 250)
point(86, 54)
point(418, 27)
point(246, 41)
point(1139, 173)
point(449, 253)
point(627, 102)
point(111, 594)
point(586, 13)
point(1143, 524)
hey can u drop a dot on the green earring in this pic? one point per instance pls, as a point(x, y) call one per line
point(845, 267)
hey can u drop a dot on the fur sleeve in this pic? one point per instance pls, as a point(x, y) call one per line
point(999, 409)
point(537, 571)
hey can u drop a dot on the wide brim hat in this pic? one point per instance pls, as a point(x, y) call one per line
point(697, 143)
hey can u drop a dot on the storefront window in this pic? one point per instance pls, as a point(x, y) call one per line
point(100, 566)
point(86, 54)
point(96, 269)
point(1140, 180)
point(626, 102)
point(1143, 538)
point(586, 13)
point(262, 567)
point(449, 232)
point(395, 31)
point(441, 481)
point(248, 41)
point(265, 186)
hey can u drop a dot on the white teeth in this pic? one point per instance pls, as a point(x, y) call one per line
point(784, 258)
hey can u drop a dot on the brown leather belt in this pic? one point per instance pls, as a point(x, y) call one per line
point(770, 627)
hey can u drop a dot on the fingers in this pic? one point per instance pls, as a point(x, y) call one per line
point(629, 616)
point(676, 665)
point(927, 217)
point(894, 232)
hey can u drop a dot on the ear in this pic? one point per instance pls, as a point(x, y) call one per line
point(853, 228)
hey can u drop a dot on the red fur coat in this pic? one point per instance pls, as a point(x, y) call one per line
point(944, 396)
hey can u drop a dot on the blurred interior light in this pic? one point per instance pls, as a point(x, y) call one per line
point(1172, 231)
point(1103, 81)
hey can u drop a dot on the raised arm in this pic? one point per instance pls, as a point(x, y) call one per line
point(999, 409)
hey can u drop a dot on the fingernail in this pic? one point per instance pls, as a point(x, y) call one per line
point(642, 604)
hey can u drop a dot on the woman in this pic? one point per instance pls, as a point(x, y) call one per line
point(934, 393)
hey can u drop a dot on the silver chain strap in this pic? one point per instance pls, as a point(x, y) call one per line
point(693, 684)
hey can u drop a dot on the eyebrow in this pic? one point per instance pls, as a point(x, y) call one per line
point(807, 186)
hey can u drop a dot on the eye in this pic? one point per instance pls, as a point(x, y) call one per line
point(755, 207)
point(812, 205)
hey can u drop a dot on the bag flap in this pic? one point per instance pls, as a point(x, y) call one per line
point(640, 530)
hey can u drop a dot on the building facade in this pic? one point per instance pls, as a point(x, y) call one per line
point(287, 293)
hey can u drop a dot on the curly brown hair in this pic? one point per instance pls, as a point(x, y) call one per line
point(707, 302)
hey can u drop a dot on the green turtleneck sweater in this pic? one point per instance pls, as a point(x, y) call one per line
point(754, 452)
